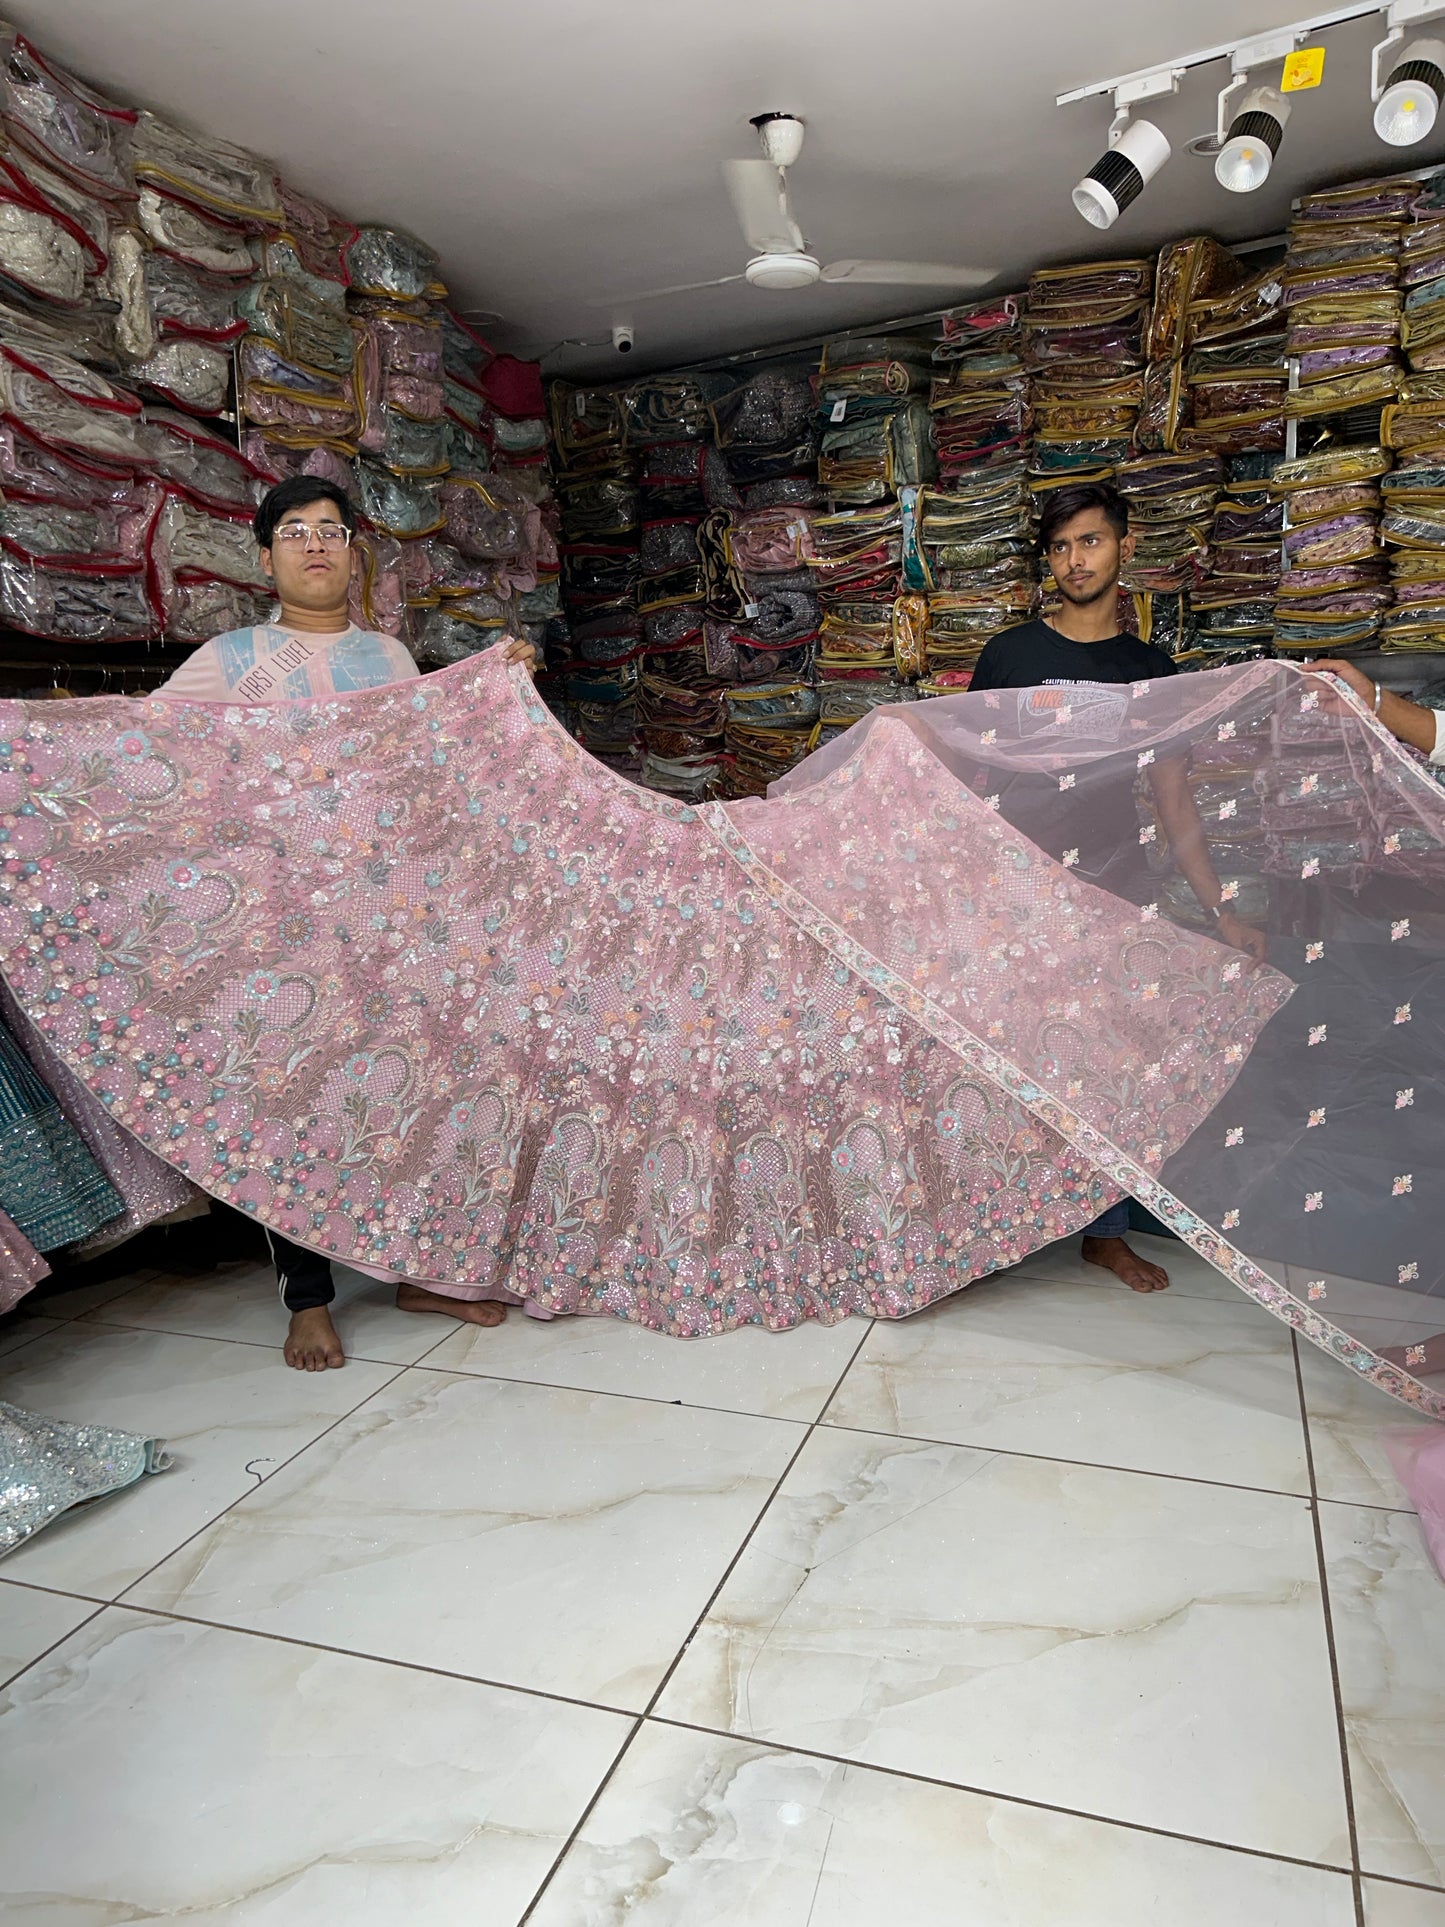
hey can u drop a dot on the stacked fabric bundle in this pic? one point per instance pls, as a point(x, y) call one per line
point(1413, 426)
point(876, 429)
point(979, 395)
point(1083, 345)
point(1171, 510)
point(1235, 395)
point(1186, 272)
point(1341, 291)
point(601, 535)
point(1335, 583)
point(979, 554)
point(1233, 607)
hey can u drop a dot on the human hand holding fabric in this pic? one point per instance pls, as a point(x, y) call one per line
point(518, 649)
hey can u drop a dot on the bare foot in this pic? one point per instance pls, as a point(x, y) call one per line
point(1114, 1255)
point(471, 1311)
point(1423, 1360)
point(311, 1343)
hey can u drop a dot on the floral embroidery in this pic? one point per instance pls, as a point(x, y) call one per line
point(1316, 1118)
point(1316, 1288)
point(1066, 782)
point(1234, 1135)
point(1403, 1184)
point(1402, 1014)
point(1313, 952)
point(1408, 1274)
point(1314, 1201)
point(1404, 1099)
point(1309, 868)
point(1230, 1221)
point(1399, 929)
point(1319, 1033)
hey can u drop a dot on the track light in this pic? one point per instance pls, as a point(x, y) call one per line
point(1252, 141)
point(1119, 176)
point(1406, 110)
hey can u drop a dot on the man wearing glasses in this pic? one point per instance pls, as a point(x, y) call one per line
point(304, 527)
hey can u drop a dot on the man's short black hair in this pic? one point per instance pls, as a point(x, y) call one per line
point(1063, 504)
point(295, 493)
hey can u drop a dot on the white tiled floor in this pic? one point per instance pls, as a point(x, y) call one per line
point(1054, 1607)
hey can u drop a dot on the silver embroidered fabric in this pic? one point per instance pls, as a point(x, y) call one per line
point(48, 1465)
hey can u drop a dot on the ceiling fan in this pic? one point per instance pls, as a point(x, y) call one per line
point(780, 257)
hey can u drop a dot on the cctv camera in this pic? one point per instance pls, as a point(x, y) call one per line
point(622, 340)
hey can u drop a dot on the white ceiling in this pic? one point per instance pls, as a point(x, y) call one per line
point(564, 151)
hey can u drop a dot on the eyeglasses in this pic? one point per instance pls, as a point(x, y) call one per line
point(332, 534)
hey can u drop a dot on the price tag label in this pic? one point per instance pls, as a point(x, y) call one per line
point(1302, 69)
point(840, 409)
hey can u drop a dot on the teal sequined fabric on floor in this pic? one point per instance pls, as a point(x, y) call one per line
point(48, 1465)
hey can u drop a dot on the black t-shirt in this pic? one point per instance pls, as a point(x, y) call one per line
point(1034, 656)
point(1104, 833)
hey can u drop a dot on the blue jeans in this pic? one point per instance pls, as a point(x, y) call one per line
point(1112, 1223)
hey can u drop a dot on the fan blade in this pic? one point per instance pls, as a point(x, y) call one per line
point(655, 294)
point(760, 197)
point(907, 274)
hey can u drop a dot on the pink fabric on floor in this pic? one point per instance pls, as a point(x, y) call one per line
point(1419, 1462)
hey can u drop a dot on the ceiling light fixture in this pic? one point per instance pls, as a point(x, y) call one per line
point(1252, 141)
point(1407, 97)
point(1136, 152)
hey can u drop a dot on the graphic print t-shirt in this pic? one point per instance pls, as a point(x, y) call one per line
point(1038, 662)
point(273, 664)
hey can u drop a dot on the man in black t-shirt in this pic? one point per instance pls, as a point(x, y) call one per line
point(1084, 537)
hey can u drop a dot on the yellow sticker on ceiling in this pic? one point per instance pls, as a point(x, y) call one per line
point(1306, 68)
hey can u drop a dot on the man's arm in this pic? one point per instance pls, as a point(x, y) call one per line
point(1179, 815)
point(1407, 722)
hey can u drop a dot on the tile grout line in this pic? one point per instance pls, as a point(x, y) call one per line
point(1356, 1875)
point(681, 1652)
point(639, 1720)
point(7, 1680)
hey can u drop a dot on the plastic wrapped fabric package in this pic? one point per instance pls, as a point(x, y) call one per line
point(191, 374)
point(31, 468)
point(210, 469)
point(466, 353)
point(771, 409)
point(181, 230)
point(398, 507)
point(302, 328)
point(195, 540)
point(402, 364)
point(116, 529)
point(1187, 271)
point(445, 637)
point(211, 174)
point(84, 334)
point(784, 491)
point(320, 236)
point(855, 366)
point(598, 510)
point(485, 516)
point(525, 436)
point(66, 123)
point(384, 261)
point(295, 401)
point(39, 254)
point(195, 608)
point(99, 601)
point(771, 540)
point(672, 588)
point(280, 259)
point(585, 419)
point(405, 446)
point(276, 460)
point(61, 402)
point(670, 408)
point(669, 544)
point(160, 296)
